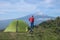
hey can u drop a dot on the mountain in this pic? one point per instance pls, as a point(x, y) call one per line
point(4, 23)
point(51, 23)
point(38, 18)
point(50, 29)
point(41, 32)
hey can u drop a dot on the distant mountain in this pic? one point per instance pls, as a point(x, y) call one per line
point(38, 18)
point(4, 23)
point(51, 23)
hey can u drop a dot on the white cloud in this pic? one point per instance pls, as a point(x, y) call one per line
point(17, 7)
point(39, 12)
point(22, 6)
point(48, 1)
point(43, 18)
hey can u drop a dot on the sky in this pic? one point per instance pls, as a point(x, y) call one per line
point(10, 9)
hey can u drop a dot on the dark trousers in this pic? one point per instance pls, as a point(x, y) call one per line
point(32, 26)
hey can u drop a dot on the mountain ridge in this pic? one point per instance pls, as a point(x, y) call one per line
point(5, 23)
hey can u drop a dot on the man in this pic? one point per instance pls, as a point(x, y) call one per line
point(31, 19)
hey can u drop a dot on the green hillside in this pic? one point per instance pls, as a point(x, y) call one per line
point(51, 29)
point(17, 26)
point(47, 30)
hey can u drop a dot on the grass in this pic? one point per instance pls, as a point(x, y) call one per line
point(7, 36)
point(39, 34)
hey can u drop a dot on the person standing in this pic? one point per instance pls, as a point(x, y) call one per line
point(31, 19)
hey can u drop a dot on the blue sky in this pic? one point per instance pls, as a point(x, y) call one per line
point(10, 9)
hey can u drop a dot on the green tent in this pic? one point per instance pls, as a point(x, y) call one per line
point(17, 26)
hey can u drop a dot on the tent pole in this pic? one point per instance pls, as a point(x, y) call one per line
point(17, 26)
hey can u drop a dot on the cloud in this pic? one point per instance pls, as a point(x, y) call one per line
point(17, 7)
point(22, 6)
point(48, 1)
point(11, 1)
point(38, 12)
point(28, 6)
point(9, 10)
point(43, 18)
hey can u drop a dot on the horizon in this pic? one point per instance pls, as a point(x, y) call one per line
point(11, 9)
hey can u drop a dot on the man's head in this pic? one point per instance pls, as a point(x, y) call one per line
point(32, 16)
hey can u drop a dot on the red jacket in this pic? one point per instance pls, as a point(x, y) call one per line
point(31, 19)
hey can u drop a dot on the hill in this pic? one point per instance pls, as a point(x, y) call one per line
point(51, 29)
point(38, 18)
point(51, 23)
point(47, 30)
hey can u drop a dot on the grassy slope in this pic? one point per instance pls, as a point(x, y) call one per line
point(40, 33)
point(7, 36)
point(51, 29)
point(48, 30)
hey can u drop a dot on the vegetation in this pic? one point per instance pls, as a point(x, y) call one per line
point(51, 29)
point(47, 30)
